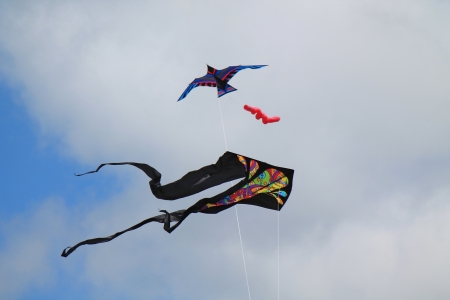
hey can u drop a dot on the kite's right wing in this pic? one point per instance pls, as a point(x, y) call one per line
point(228, 73)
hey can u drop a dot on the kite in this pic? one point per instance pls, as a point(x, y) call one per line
point(261, 115)
point(262, 185)
point(219, 79)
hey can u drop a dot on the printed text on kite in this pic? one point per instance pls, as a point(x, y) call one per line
point(260, 115)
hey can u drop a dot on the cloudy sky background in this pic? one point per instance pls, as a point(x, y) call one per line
point(362, 88)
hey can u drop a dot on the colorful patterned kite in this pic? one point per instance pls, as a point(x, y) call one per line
point(262, 185)
point(217, 78)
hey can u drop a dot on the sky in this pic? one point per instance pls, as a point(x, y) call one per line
point(362, 91)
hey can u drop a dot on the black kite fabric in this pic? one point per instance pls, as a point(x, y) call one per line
point(262, 185)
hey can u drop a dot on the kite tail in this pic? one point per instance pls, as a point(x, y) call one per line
point(150, 171)
point(165, 218)
point(228, 89)
point(179, 217)
point(227, 168)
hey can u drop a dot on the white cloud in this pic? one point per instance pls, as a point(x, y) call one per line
point(30, 241)
point(362, 91)
point(381, 256)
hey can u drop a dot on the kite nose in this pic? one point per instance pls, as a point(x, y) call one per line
point(211, 70)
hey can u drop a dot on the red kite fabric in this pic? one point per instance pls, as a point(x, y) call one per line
point(260, 115)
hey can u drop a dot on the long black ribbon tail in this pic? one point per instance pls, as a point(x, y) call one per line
point(150, 171)
point(177, 216)
point(165, 218)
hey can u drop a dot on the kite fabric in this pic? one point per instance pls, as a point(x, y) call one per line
point(262, 185)
point(219, 79)
point(261, 115)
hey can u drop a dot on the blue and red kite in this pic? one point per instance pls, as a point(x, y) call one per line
point(219, 79)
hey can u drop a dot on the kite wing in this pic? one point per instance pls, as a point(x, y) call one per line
point(207, 80)
point(228, 73)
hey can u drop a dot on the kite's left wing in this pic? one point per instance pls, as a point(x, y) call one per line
point(228, 73)
point(207, 80)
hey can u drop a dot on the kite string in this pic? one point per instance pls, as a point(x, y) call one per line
point(242, 250)
point(234, 102)
point(278, 214)
point(278, 235)
point(235, 208)
point(223, 126)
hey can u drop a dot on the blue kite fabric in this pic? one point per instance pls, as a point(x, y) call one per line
point(262, 185)
point(219, 79)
